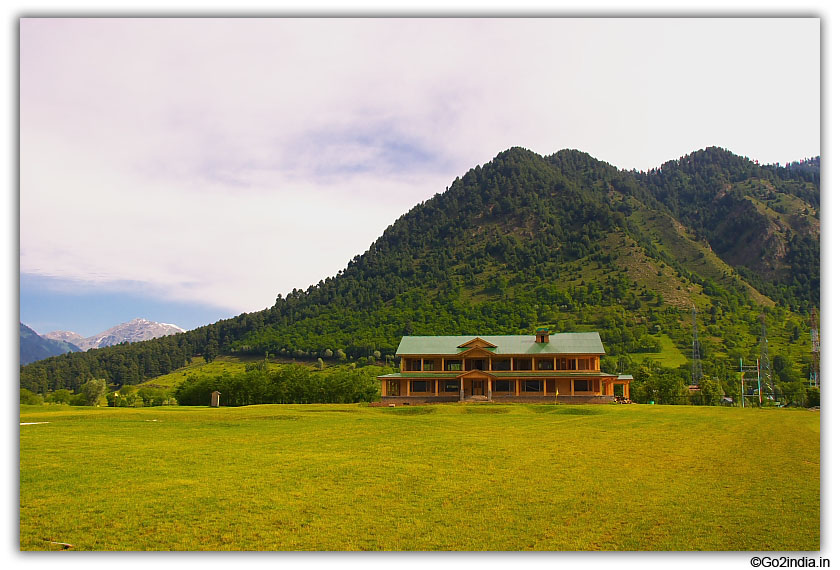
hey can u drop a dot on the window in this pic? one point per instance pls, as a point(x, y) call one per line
point(501, 364)
point(586, 364)
point(545, 364)
point(451, 386)
point(582, 386)
point(412, 364)
point(475, 364)
point(533, 386)
point(522, 364)
point(421, 386)
point(452, 365)
point(503, 386)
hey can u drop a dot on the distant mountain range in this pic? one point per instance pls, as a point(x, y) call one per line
point(36, 347)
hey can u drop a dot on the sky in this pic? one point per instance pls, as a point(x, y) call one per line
point(191, 136)
point(188, 170)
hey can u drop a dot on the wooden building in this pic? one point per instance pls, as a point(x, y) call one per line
point(564, 367)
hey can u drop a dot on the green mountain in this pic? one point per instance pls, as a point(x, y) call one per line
point(35, 347)
point(563, 240)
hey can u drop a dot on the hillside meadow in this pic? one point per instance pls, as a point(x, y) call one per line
point(444, 477)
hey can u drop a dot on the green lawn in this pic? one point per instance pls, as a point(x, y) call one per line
point(446, 477)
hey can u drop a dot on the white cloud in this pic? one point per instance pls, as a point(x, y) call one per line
point(227, 161)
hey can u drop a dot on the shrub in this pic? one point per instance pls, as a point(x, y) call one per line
point(812, 397)
point(30, 398)
point(62, 396)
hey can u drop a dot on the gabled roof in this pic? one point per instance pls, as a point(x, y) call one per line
point(477, 342)
point(477, 352)
point(560, 343)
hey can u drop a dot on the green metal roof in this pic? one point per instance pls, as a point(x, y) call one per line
point(560, 343)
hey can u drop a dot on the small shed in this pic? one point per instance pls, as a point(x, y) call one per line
point(214, 399)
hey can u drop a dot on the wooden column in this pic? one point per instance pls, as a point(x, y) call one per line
point(489, 389)
point(511, 364)
point(384, 390)
point(462, 390)
point(408, 387)
point(422, 364)
point(437, 385)
point(516, 386)
point(533, 363)
point(572, 385)
point(545, 387)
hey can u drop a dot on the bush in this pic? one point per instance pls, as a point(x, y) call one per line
point(62, 396)
point(78, 400)
point(152, 396)
point(812, 397)
point(30, 398)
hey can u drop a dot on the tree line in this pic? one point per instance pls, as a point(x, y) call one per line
point(293, 384)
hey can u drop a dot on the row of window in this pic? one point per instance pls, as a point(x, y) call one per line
point(502, 364)
point(498, 386)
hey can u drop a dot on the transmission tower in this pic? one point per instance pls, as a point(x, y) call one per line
point(815, 349)
point(696, 363)
point(750, 383)
point(764, 369)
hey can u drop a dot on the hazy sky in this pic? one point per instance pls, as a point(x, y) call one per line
point(188, 170)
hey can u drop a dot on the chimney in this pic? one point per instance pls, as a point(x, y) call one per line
point(542, 335)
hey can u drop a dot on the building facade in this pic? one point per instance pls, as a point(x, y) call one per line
point(564, 367)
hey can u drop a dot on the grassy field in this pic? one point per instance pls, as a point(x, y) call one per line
point(198, 367)
point(670, 357)
point(445, 477)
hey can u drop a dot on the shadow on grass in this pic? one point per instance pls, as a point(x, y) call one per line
point(410, 410)
point(334, 410)
point(483, 409)
point(566, 409)
point(577, 411)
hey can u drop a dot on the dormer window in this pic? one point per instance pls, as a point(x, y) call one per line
point(542, 335)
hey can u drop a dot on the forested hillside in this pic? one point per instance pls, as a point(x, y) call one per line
point(563, 240)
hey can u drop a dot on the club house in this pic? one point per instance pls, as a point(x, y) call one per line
point(563, 367)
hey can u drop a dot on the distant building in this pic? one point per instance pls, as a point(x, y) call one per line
point(565, 367)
